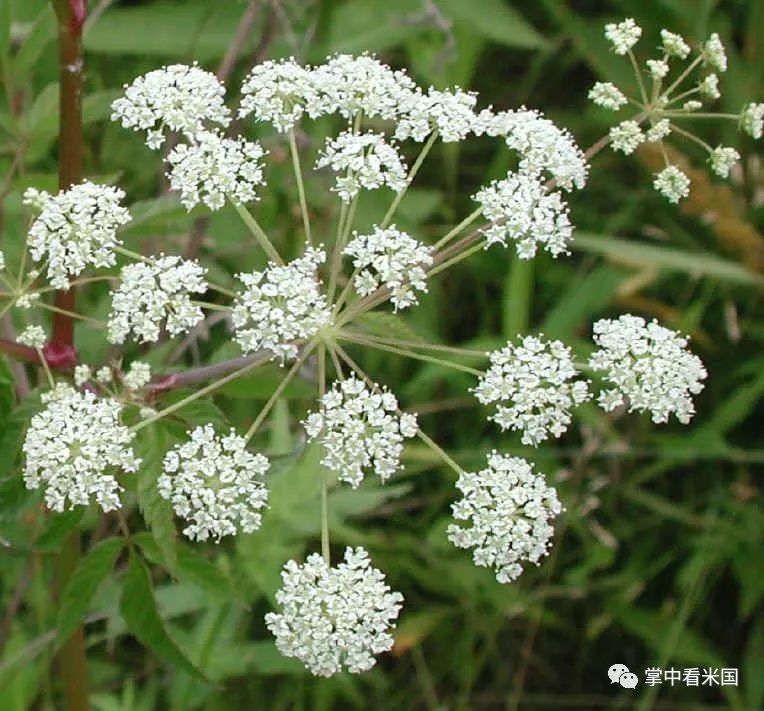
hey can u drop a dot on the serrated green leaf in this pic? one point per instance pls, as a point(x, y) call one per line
point(139, 610)
point(81, 588)
point(151, 446)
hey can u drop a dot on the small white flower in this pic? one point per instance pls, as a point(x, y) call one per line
point(626, 137)
point(138, 375)
point(2, 261)
point(365, 161)
point(360, 431)
point(722, 159)
point(76, 228)
point(151, 293)
point(521, 209)
point(33, 336)
point(277, 92)
point(334, 618)
point(674, 45)
point(82, 373)
point(607, 95)
point(692, 105)
point(709, 86)
point(393, 259)
point(752, 120)
point(672, 183)
point(104, 375)
point(73, 447)
point(649, 366)
point(535, 387)
point(542, 146)
point(509, 509)
point(211, 169)
point(657, 68)
point(351, 86)
point(280, 305)
point(658, 131)
point(624, 35)
point(714, 54)
point(182, 98)
point(451, 113)
point(215, 484)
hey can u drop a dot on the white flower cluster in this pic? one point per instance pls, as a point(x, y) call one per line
point(279, 92)
point(608, 96)
point(535, 387)
point(672, 183)
point(521, 209)
point(280, 305)
point(211, 169)
point(509, 509)
point(215, 484)
point(75, 228)
point(138, 375)
point(181, 98)
point(450, 113)
point(542, 146)
point(72, 448)
point(33, 336)
point(334, 618)
point(626, 137)
point(752, 120)
point(714, 54)
point(366, 161)
point(352, 85)
point(393, 259)
point(649, 366)
point(360, 431)
point(623, 35)
point(153, 293)
point(660, 113)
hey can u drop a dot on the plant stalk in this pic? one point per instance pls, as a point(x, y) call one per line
point(70, 15)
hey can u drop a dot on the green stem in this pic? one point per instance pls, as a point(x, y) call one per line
point(455, 259)
point(342, 236)
point(640, 81)
point(70, 314)
point(300, 185)
point(409, 354)
point(258, 233)
point(325, 542)
point(470, 352)
point(466, 222)
point(206, 390)
point(439, 451)
point(410, 178)
point(277, 392)
point(46, 368)
point(684, 74)
point(692, 137)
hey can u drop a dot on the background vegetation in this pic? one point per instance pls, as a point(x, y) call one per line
point(657, 560)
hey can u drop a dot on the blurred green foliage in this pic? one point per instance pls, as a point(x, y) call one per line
point(657, 560)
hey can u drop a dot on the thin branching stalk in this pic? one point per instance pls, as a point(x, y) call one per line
point(300, 186)
point(409, 179)
point(258, 233)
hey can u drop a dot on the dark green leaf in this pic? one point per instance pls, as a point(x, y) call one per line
point(151, 446)
point(81, 588)
point(141, 615)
